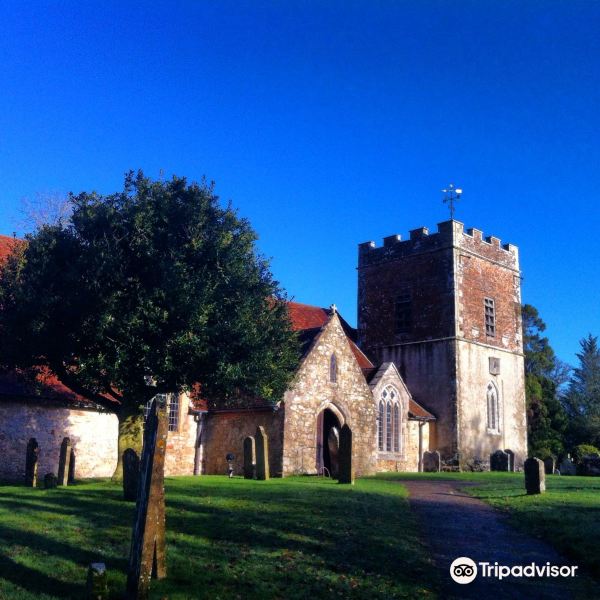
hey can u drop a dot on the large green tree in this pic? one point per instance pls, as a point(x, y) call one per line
point(582, 399)
point(149, 290)
point(544, 377)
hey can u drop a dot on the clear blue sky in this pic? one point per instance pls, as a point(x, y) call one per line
point(326, 124)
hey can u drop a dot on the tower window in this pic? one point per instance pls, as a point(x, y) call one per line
point(490, 317)
point(403, 313)
point(493, 409)
point(333, 369)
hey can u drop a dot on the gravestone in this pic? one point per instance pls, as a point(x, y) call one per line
point(499, 461)
point(511, 460)
point(72, 467)
point(249, 457)
point(590, 465)
point(567, 467)
point(50, 481)
point(64, 462)
point(549, 465)
point(535, 476)
point(131, 474)
point(432, 462)
point(97, 582)
point(31, 463)
point(147, 556)
point(345, 463)
point(261, 444)
point(333, 445)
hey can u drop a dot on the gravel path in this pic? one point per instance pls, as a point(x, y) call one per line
point(455, 524)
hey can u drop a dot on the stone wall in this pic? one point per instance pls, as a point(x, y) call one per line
point(93, 437)
point(181, 444)
point(224, 432)
point(311, 392)
point(410, 459)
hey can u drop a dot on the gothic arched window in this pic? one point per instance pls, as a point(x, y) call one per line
point(493, 408)
point(380, 425)
point(388, 427)
point(396, 428)
point(389, 421)
point(333, 369)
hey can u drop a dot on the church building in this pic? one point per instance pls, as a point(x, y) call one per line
point(436, 363)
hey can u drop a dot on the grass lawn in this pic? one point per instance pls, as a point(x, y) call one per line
point(567, 516)
point(288, 538)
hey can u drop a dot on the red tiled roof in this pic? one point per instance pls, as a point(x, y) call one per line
point(417, 411)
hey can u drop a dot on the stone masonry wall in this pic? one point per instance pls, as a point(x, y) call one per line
point(410, 460)
point(224, 432)
point(312, 392)
point(181, 444)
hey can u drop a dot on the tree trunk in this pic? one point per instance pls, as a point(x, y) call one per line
point(131, 435)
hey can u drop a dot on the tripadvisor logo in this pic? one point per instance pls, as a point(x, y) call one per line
point(464, 570)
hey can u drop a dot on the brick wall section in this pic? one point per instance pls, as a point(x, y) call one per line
point(312, 392)
point(224, 432)
point(93, 437)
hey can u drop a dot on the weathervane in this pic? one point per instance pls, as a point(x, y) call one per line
point(452, 195)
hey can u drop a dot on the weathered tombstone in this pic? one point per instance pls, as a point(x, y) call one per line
point(97, 582)
point(499, 461)
point(64, 461)
point(31, 463)
point(535, 476)
point(131, 474)
point(590, 465)
point(50, 481)
point(249, 457)
point(511, 460)
point(432, 462)
point(549, 465)
point(333, 445)
point(346, 466)
point(567, 467)
point(147, 556)
point(261, 443)
point(72, 467)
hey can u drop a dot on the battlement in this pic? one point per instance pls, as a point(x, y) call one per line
point(449, 234)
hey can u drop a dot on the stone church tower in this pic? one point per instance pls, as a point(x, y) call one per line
point(445, 307)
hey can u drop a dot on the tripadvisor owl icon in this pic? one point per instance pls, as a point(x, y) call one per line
point(463, 570)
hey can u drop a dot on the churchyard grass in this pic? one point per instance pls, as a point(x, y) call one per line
point(300, 537)
point(567, 516)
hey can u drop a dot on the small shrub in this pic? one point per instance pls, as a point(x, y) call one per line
point(476, 465)
point(584, 450)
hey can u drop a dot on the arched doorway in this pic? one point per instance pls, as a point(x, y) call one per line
point(328, 429)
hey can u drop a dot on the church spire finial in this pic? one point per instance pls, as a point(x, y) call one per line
point(452, 195)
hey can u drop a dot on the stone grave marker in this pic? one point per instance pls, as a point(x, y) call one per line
point(535, 476)
point(346, 466)
point(31, 463)
point(567, 467)
point(64, 462)
point(72, 467)
point(249, 457)
point(261, 443)
point(50, 481)
point(333, 445)
point(147, 556)
point(97, 582)
point(499, 461)
point(432, 462)
point(131, 474)
point(549, 465)
point(511, 460)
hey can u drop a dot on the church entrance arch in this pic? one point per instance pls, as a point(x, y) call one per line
point(329, 424)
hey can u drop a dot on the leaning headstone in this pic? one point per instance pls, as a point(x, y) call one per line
point(97, 582)
point(147, 556)
point(535, 476)
point(499, 461)
point(131, 474)
point(31, 463)
point(72, 468)
point(432, 462)
point(333, 445)
point(590, 465)
point(50, 481)
point(64, 462)
point(249, 457)
point(346, 466)
point(567, 467)
point(261, 443)
point(549, 465)
point(511, 459)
